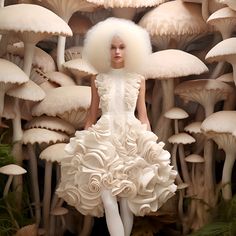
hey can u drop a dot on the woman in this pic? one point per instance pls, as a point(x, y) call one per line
point(117, 158)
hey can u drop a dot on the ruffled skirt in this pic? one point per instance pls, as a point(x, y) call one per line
point(126, 160)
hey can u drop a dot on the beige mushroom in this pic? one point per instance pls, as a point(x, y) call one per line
point(79, 68)
point(10, 76)
point(65, 9)
point(224, 135)
point(51, 154)
point(11, 170)
point(41, 59)
point(176, 114)
point(51, 123)
point(224, 51)
point(42, 137)
point(60, 78)
point(170, 30)
point(178, 140)
point(70, 103)
point(224, 20)
point(31, 27)
point(194, 129)
point(179, 64)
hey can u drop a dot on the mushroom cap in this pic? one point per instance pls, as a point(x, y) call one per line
point(12, 169)
point(11, 73)
point(174, 18)
point(225, 15)
point(54, 152)
point(194, 158)
point(181, 138)
point(51, 123)
point(24, 19)
point(79, 67)
point(194, 127)
point(201, 90)
point(221, 127)
point(41, 59)
point(227, 78)
point(173, 63)
point(60, 78)
point(222, 51)
point(125, 3)
point(27, 91)
point(176, 113)
point(38, 135)
point(220, 122)
point(59, 211)
point(63, 99)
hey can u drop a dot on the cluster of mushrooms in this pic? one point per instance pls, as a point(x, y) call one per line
point(45, 96)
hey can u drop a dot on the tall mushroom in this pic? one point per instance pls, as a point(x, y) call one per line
point(70, 103)
point(65, 9)
point(10, 76)
point(179, 64)
point(225, 137)
point(224, 51)
point(170, 30)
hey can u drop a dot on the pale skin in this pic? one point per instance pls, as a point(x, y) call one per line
point(119, 220)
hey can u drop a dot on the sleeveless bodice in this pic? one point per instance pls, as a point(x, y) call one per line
point(118, 92)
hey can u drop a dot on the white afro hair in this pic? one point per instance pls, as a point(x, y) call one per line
point(98, 42)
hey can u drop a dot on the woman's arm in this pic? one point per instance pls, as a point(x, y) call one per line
point(93, 110)
point(141, 106)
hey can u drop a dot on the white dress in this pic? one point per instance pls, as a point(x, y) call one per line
point(117, 153)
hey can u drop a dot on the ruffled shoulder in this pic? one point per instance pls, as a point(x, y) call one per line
point(133, 82)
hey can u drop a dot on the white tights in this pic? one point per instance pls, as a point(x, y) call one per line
point(119, 224)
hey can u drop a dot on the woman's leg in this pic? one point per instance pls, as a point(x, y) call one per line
point(114, 223)
point(126, 216)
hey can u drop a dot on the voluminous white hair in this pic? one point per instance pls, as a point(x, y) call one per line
point(97, 44)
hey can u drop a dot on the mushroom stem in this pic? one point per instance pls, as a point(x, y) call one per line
point(2, 3)
point(226, 176)
point(34, 181)
point(47, 195)
point(18, 180)
point(2, 96)
point(174, 163)
point(28, 57)
point(183, 164)
point(61, 52)
point(16, 123)
point(205, 10)
point(7, 186)
point(208, 172)
point(5, 193)
point(156, 102)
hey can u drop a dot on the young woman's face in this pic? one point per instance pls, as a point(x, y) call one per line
point(117, 53)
